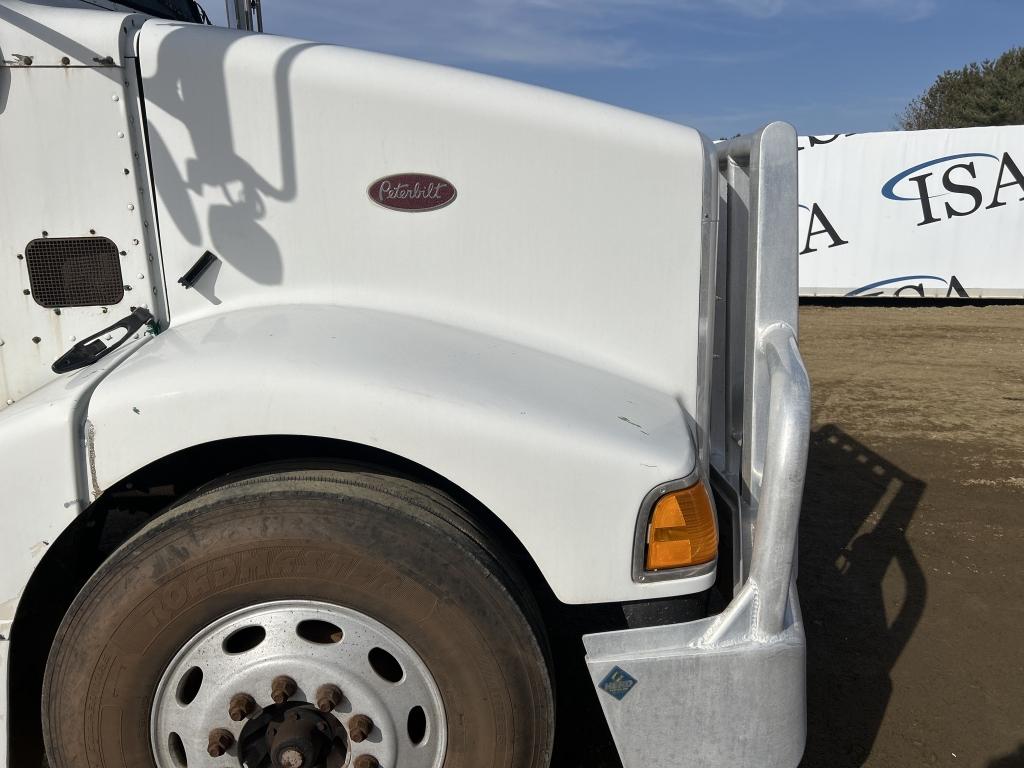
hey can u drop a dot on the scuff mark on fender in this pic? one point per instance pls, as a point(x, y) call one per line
point(633, 424)
point(90, 448)
point(7, 609)
point(37, 549)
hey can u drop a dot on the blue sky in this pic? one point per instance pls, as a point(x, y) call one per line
point(723, 66)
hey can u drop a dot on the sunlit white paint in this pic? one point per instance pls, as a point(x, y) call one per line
point(563, 453)
point(65, 145)
point(576, 229)
point(573, 247)
point(62, 164)
point(535, 342)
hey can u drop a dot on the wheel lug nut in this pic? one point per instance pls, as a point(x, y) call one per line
point(328, 697)
point(220, 742)
point(366, 761)
point(359, 728)
point(242, 705)
point(282, 688)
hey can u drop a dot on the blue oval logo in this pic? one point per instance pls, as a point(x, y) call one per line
point(889, 189)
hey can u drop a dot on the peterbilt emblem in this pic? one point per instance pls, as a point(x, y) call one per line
point(412, 192)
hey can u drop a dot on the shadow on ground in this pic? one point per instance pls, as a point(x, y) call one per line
point(1016, 760)
point(857, 506)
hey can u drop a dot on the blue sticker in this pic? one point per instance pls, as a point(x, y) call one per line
point(618, 683)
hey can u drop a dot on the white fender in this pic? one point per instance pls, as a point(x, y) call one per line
point(562, 453)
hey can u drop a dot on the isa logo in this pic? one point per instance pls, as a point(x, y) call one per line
point(978, 181)
point(818, 224)
point(618, 683)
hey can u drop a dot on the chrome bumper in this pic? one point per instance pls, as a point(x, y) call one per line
point(730, 691)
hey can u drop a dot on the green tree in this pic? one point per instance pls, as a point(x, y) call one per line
point(989, 93)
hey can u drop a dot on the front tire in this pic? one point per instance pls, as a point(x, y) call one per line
point(374, 553)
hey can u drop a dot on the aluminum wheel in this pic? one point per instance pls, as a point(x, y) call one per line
point(297, 684)
point(437, 658)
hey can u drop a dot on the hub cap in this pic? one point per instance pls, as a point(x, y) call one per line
point(297, 684)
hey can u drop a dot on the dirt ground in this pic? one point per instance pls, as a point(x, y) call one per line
point(911, 541)
point(913, 528)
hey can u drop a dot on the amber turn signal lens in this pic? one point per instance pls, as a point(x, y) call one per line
point(682, 530)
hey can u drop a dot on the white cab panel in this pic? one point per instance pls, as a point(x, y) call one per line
point(44, 441)
point(68, 167)
point(59, 29)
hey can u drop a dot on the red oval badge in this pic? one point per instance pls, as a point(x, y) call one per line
point(412, 192)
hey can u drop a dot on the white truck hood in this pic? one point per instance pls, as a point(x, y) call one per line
point(576, 228)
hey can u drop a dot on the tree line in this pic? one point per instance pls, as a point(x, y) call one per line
point(990, 92)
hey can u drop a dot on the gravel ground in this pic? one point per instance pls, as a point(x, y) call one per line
point(913, 526)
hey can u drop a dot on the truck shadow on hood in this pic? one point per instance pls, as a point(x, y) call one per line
point(856, 510)
point(211, 192)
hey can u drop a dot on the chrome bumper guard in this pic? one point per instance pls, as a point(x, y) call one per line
point(729, 691)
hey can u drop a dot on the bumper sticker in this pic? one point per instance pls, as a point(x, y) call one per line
point(618, 683)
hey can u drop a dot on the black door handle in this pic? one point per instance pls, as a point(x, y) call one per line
point(88, 351)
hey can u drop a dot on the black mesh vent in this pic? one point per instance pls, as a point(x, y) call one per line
point(74, 272)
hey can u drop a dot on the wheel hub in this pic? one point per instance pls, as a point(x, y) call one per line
point(297, 684)
point(293, 735)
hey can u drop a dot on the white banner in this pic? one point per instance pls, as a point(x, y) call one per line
point(915, 213)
